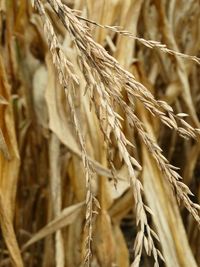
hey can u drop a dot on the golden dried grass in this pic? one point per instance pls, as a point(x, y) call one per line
point(88, 142)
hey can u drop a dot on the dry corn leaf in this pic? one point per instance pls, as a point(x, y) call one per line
point(104, 240)
point(66, 217)
point(9, 167)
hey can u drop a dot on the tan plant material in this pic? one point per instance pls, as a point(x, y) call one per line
point(66, 217)
point(9, 167)
point(148, 43)
point(105, 78)
point(94, 113)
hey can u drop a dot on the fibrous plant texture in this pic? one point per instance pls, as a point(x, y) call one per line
point(99, 102)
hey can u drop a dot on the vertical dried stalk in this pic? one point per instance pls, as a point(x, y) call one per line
point(56, 195)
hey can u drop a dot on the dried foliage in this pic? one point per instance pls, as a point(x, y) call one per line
point(94, 97)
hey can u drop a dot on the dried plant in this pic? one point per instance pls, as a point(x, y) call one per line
point(117, 100)
point(67, 79)
point(105, 79)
